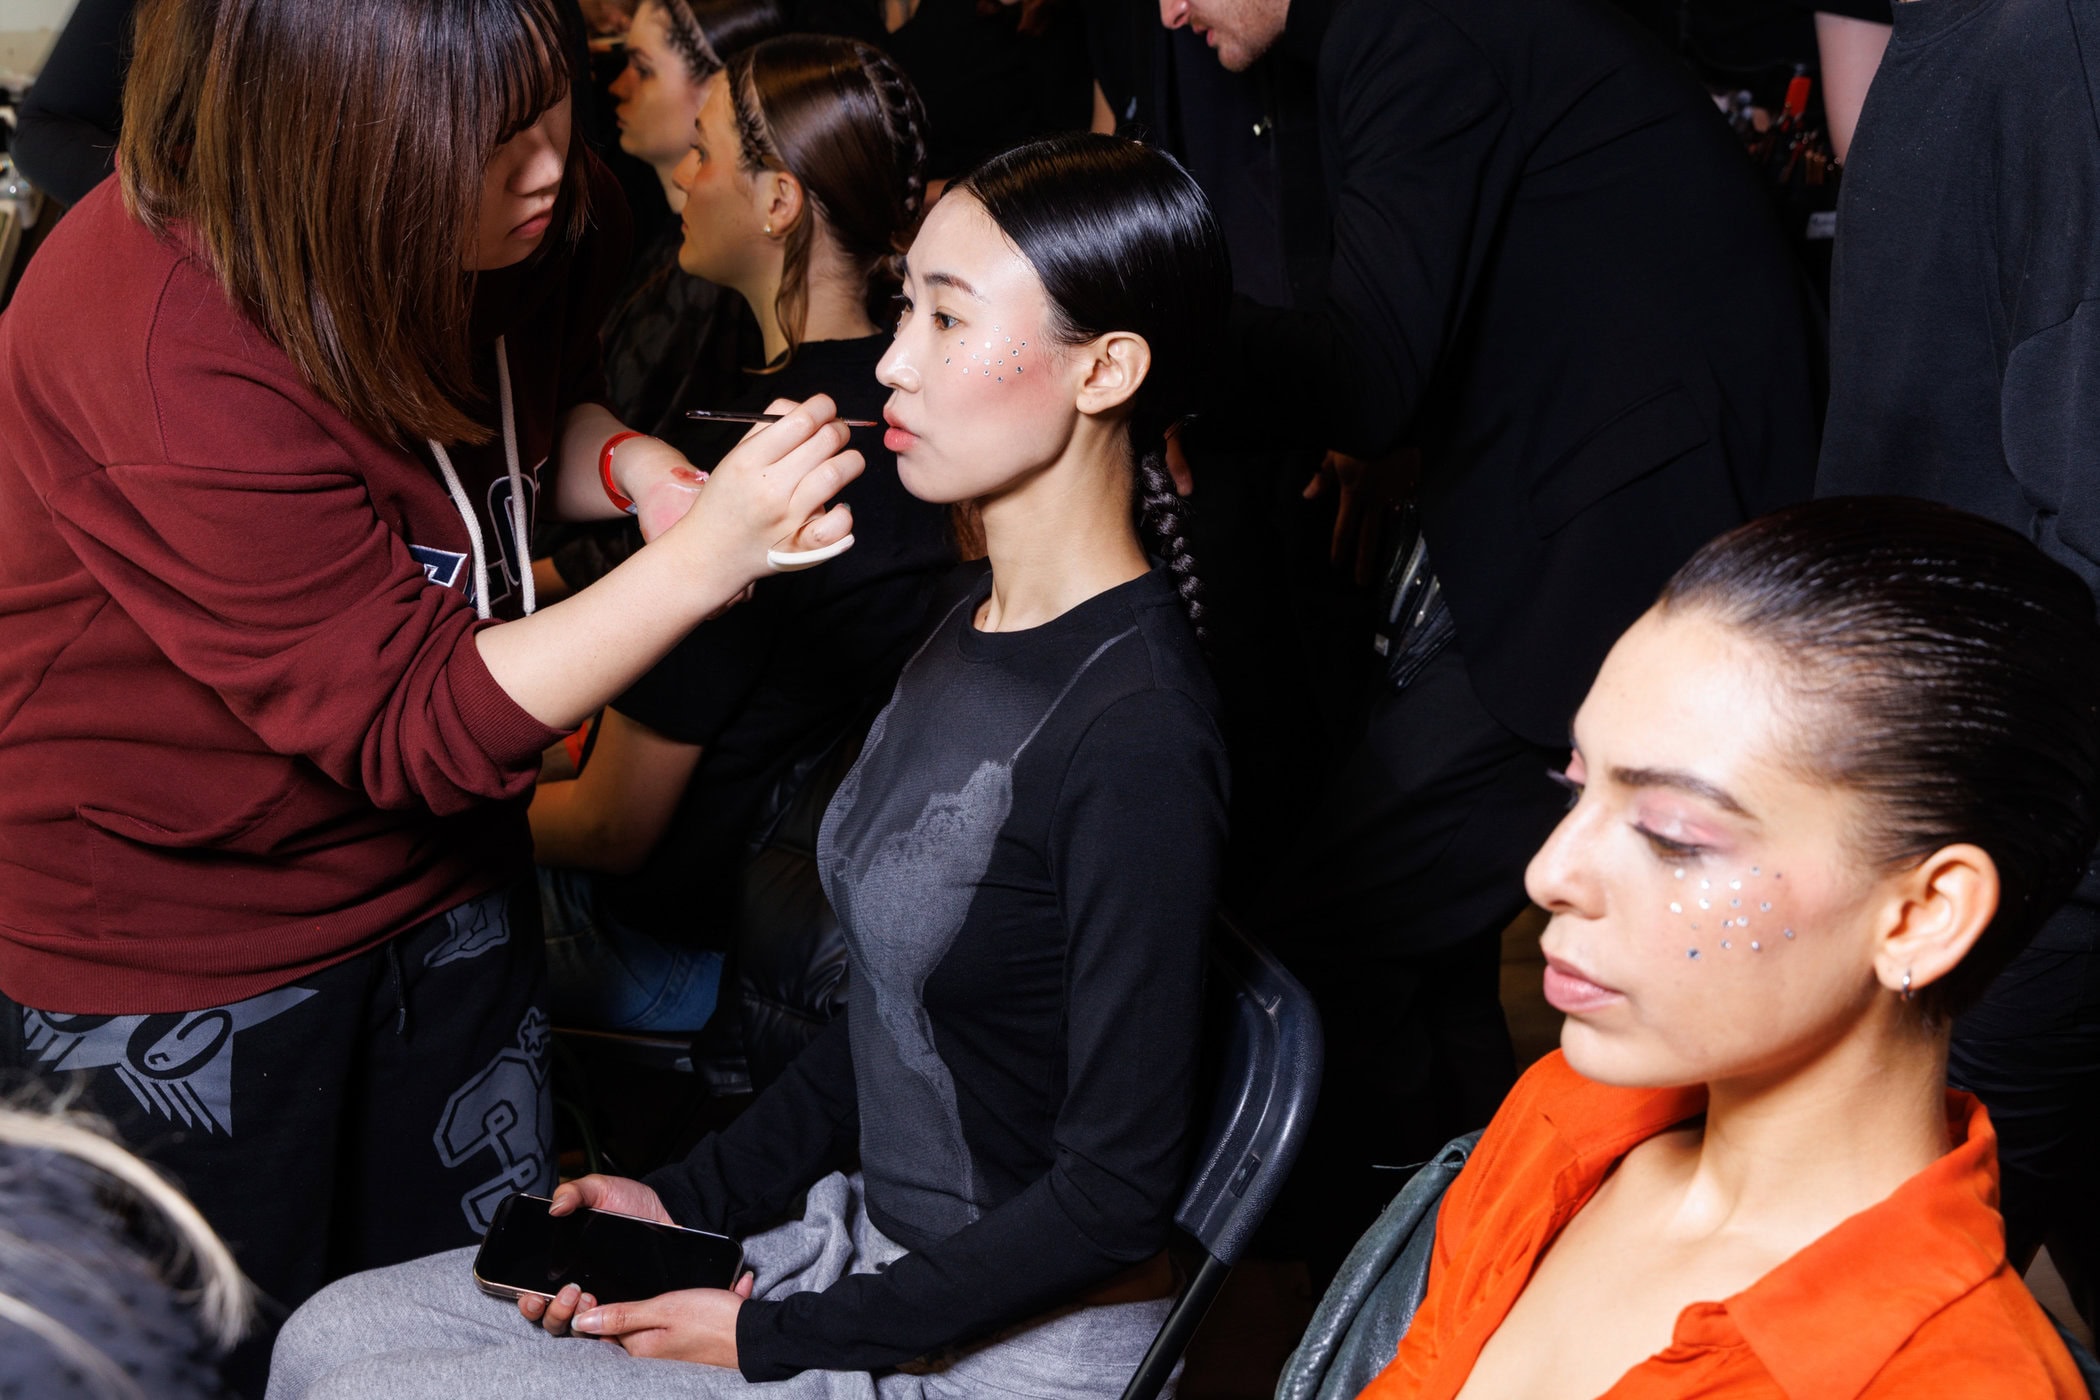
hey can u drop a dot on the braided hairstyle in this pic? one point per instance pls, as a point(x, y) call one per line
point(1123, 240)
point(840, 116)
point(708, 33)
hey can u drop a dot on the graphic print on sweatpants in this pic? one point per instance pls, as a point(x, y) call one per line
point(374, 1111)
point(508, 1109)
point(903, 847)
point(177, 1064)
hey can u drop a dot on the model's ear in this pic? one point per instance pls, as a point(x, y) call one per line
point(1115, 367)
point(781, 201)
point(1933, 916)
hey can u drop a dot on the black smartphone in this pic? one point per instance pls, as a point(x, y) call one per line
point(614, 1258)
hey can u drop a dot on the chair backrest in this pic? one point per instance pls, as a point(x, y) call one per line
point(1268, 1077)
point(1266, 1064)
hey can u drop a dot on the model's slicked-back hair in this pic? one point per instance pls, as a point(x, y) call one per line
point(1947, 672)
point(1123, 240)
point(327, 159)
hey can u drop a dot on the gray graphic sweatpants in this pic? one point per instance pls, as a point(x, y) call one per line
point(424, 1331)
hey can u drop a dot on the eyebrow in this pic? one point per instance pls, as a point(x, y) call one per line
point(1682, 782)
point(949, 279)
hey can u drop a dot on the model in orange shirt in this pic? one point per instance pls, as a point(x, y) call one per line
point(1821, 792)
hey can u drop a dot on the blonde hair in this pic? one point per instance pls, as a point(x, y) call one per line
point(223, 1297)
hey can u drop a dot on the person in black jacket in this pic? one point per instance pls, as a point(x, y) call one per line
point(1964, 374)
point(1556, 278)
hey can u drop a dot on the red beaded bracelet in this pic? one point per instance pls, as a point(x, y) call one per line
point(612, 492)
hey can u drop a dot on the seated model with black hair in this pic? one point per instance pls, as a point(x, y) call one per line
point(1024, 861)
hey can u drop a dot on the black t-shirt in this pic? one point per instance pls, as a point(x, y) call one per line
point(1025, 864)
point(1965, 296)
point(773, 676)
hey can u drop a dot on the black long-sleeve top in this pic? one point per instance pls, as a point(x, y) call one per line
point(1025, 862)
point(66, 136)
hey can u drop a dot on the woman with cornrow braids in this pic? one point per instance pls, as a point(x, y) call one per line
point(803, 181)
point(670, 340)
point(1024, 862)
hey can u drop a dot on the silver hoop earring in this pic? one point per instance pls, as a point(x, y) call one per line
point(1906, 984)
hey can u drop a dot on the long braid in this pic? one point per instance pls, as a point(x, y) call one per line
point(1164, 516)
point(904, 121)
point(904, 117)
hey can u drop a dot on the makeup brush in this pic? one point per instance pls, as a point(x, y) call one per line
point(713, 416)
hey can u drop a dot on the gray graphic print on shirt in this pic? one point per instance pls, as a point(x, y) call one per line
point(904, 845)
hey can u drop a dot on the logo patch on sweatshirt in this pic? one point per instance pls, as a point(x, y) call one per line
point(441, 566)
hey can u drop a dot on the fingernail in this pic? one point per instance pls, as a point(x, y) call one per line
point(588, 1322)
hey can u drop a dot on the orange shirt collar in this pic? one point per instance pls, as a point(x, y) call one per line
point(1935, 1238)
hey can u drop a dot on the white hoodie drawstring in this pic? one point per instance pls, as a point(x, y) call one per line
point(521, 531)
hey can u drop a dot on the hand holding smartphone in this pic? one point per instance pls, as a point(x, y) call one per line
point(614, 1258)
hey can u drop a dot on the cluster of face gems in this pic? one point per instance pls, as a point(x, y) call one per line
point(994, 362)
point(1738, 917)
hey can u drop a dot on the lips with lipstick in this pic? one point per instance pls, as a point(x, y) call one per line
point(1572, 991)
point(898, 438)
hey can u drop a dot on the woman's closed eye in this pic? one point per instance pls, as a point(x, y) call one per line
point(1574, 786)
point(1670, 848)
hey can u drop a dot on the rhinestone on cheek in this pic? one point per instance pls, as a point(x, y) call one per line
point(1692, 953)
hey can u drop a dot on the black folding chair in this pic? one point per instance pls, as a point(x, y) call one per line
point(1268, 1078)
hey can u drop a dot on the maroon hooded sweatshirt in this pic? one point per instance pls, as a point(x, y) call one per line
point(245, 732)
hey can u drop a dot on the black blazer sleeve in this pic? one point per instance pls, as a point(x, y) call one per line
point(1421, 153)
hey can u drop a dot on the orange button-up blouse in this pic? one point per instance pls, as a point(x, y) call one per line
point(1912, 1297)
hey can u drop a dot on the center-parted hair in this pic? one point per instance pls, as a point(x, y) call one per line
point(1123, 239)
point(1949, 674)
point(326, 156)
point(841, 117)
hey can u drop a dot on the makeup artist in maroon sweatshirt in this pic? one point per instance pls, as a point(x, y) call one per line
point(275, 406)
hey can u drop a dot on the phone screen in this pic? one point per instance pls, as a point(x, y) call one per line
point(614, 1258)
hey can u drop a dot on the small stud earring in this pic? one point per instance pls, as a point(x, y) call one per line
point(769, 230)
point(1906, 984)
